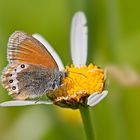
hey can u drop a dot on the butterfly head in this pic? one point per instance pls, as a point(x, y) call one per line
point(57, 80)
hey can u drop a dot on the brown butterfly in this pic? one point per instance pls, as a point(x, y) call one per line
point(32, 70)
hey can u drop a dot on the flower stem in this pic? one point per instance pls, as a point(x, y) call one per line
point(85, 114)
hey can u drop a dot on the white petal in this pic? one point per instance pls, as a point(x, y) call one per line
point(79, 39)
point(51, 50)
point(23, 103)
point(95, 98)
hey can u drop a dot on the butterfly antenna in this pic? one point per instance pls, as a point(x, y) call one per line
point(78, 73)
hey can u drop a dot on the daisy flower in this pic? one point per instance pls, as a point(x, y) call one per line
point(84, 84)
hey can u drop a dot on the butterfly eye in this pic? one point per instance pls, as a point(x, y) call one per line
point(65, 73)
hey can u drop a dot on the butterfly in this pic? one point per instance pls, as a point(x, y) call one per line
point(35, 69)
point(32, 70)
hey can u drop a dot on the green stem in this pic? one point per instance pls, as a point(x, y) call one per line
point(85, 114)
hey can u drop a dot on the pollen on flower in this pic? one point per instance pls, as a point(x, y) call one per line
point(78, 85)
point(87, 79)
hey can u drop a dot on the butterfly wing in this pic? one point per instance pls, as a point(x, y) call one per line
point(28, 81)
point(50, 49)
point(23, 48)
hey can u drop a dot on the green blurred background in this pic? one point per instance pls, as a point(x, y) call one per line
point(114, 38)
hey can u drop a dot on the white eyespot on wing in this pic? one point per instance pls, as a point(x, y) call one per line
point(21, 67)
point(9, 77)
point(79, 39)
point(95, 98)
point(50, 49)
point(23, 103)
point(14, 76)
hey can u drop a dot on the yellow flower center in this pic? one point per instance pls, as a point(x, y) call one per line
point(86, 79)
